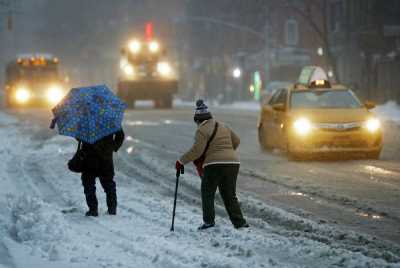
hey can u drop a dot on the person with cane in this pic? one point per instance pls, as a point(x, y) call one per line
point(215, 149)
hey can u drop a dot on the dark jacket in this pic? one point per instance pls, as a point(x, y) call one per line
point(99, 156)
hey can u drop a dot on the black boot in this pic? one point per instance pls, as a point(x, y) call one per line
point(92, 213)
point(206, 226)
point(244, 225)
point(111, 194)
point(112, 211)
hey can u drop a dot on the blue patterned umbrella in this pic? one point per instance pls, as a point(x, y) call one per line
point(89, 113)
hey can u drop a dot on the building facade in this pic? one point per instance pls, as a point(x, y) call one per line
point(365, 38)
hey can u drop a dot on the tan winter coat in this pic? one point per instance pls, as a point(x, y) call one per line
point(221, 149)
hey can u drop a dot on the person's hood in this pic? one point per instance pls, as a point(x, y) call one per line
point(331, 115)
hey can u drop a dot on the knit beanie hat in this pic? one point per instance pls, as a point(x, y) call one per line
point(201, 112)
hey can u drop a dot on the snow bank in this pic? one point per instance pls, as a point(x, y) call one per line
point(389, 111)
point(36, 223)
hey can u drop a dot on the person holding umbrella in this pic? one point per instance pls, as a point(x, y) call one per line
point(99, 164)
point(93, 116)
point(215, 146)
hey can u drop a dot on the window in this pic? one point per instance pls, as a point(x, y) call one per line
point(282, 97)
point(279, 97)
point(275, 97)
point(292, 32)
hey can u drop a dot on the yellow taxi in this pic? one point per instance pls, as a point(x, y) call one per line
point(313, 116)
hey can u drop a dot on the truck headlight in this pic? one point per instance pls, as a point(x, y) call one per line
point(134, 46)
point(128, 70)
point(22, 95)
point(123, 62)
point(302, 126)
point(164, 68)
point(372, 125)
point(55, 94)
point(154, 47)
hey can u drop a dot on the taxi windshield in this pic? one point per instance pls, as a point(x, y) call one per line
point(324, 99)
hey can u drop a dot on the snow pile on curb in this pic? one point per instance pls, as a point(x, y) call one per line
point(389, 111)
point(34, 222)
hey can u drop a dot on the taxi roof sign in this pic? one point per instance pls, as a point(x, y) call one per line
point(311, 74)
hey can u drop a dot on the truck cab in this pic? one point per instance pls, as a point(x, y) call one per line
point(146, 74)
point(33, 80)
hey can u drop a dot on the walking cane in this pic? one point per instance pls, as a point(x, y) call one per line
point(178, 173)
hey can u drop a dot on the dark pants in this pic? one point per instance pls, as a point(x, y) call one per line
point(108, 184)
point(223, 177)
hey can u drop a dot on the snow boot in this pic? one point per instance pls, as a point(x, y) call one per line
point(206, 226)
point(245, 225)
point(112, 211)
point(92, 213)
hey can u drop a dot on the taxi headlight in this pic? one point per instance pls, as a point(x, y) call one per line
point(164, 68)
point(302, 126)
point(55, 94)
point(22, 95)
point(373, 125)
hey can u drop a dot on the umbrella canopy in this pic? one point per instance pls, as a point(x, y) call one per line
point(89, 113)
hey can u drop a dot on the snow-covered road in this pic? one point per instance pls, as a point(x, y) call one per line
point(41, 204)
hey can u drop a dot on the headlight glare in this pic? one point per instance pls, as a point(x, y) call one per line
point(372, 125)
point(123, 62)
point(154, 47)
point(128, 70)
point(302, 126)
point(134, 46)
point(164, 68)
point(55, 94)
point(22, 95)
